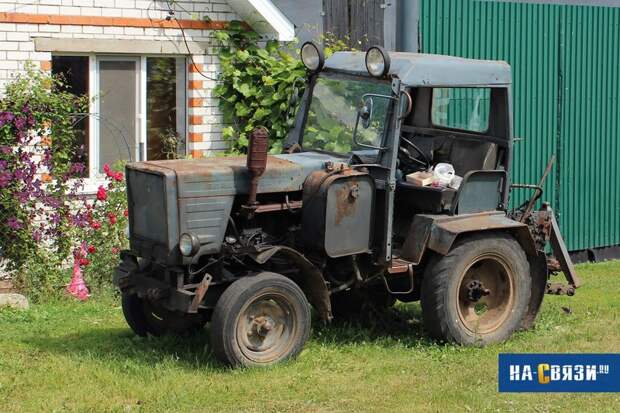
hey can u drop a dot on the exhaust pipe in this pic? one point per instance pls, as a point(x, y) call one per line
point(256, 164)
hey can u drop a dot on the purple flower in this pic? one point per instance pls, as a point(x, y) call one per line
point(5, 117)
point(14, 223)
point(36, 235)
point(77, 168)
point(5, 178)
point(3, 164)
point(5, 149)
point(19, 122)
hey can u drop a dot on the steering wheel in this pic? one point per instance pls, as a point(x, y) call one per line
point(413, 162)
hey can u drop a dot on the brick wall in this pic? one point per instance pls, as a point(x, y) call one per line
point(22, 20)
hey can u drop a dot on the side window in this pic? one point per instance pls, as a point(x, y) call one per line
point(461, 108)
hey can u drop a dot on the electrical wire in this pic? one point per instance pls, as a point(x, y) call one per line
point(172, 15)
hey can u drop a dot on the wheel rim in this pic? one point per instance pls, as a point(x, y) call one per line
point(485, 294)
point(266, 328)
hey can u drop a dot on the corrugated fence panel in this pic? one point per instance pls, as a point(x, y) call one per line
point(590, 128)
point(524, 35)
point(566, 90)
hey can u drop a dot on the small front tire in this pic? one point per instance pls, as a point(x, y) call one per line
point(260, 320)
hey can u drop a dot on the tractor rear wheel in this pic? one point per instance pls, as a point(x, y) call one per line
point(260, 320)
point(479, 292)
point(145, 317)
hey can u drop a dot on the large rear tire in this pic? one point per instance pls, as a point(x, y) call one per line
point(479, 292)
point(144, 318)
point(260, 320)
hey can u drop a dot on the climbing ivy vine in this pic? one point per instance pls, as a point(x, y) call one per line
point(256, 86)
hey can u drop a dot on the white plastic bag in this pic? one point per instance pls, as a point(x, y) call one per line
point(443, 173)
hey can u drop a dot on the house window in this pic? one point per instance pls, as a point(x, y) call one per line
point(74, 72)
point(138, 106)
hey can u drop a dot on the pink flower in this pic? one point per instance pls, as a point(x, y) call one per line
point(106, 169)
point(92, 249)
point(126, 213)
point(95, 225)
point(112, 219)
point(84, 262)
point(118, 177)
point(102, 194)
point(115, 250)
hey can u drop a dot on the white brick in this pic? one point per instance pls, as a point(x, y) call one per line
point(8, 64)
point(49, 28)
point(113, 30)
point(83, 3)
point(92, 29)
point(27, 28)
point(122, 4)
point(132, 13)
point(9, 45)
point(111, 12)
point(7, 27)
point(134, 31)
point(71, 29)
point(17, 56)
point(18, 36)
point(39, 56)
point(70, 11)
point(90, 11)
point(26, 46)
point(104, 3)
point(49, 10)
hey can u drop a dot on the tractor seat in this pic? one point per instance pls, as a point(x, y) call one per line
point(425, 199)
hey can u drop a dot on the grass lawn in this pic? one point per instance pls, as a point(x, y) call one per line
point(82, 357)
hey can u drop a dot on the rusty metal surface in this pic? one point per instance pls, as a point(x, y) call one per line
point(230, 175)
point(283, 206)
point(311, 281)
point(438, 232)
point(200, 292)
point(337, 213)
point(561, 253)
point(256, 161)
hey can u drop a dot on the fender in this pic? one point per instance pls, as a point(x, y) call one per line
point(438, 232)
point(312, 282)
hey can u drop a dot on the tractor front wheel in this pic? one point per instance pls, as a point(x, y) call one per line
point(479, 292)
point(260, 320)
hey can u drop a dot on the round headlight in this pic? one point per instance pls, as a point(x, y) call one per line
point(189, 244)
point(312, 56)
point(377, 61)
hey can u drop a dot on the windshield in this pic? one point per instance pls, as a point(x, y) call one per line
point(333, 112)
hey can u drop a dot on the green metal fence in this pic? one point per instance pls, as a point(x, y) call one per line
point(566, 73)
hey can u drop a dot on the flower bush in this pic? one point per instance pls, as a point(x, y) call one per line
point(44, 217)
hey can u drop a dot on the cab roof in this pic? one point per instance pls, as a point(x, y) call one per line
point(429, 70)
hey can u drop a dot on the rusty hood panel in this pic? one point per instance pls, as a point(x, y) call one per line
point(220, 176)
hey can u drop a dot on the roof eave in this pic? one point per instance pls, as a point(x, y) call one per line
point(264, 17)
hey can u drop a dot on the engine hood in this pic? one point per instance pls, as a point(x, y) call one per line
point(221, 176)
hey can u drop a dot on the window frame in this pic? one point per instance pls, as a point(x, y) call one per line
point(432, 100)
point(141, 96)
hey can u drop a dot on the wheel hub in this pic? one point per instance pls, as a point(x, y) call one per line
point(476, 290)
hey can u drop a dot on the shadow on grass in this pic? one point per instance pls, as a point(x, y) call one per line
point(119, 346)
point(400, 325)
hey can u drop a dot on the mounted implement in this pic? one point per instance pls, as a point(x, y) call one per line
point(393, 185)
